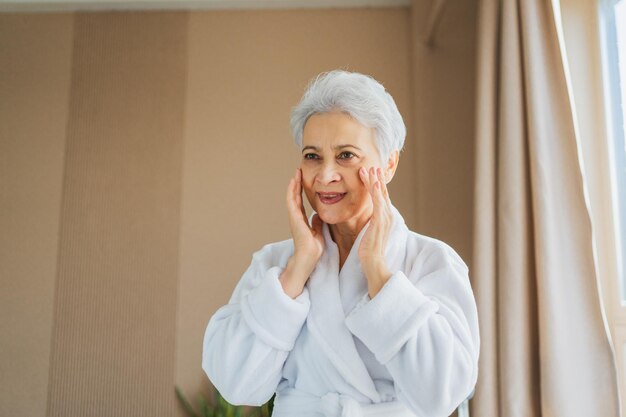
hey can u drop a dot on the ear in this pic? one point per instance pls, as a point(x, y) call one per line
point(392, 164)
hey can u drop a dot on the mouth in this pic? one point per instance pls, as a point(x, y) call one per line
point(330, 198)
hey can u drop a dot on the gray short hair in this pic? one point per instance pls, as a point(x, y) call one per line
point(358, 95)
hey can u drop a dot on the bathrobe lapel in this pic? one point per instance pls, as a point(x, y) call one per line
point(326, 316)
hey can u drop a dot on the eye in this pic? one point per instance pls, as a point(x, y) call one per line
point(346, 155)
point(311, 156)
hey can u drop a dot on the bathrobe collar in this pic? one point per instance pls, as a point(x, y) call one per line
point(326, 316)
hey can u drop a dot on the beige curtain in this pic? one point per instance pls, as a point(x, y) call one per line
point(545, 351)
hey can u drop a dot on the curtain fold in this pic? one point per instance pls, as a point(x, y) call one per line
point(545, 351)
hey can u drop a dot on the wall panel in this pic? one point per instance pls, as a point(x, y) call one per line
point(35, 59)
point(114, 324)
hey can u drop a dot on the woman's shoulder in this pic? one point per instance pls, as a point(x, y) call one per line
point(423, 248)
point(266, 262)
point(274, 253)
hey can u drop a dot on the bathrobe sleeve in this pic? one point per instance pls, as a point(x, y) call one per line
point(424, 328)
point(248, 340)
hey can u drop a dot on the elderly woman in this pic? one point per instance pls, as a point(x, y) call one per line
point(356, 315)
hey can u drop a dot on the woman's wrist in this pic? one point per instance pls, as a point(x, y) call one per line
point(295, 275)
point(303, 263)
point(377, 276)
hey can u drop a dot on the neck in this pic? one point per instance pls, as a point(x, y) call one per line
point(344, 234)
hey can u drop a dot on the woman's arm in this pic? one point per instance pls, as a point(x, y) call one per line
point(424, 329)
point(248, 340)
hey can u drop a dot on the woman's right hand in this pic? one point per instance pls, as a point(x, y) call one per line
point(308, 240)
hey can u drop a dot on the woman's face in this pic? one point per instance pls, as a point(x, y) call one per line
point(334, 147)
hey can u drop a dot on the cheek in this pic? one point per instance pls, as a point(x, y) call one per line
point(307, 180)
point(356, 182)
point(357, 188)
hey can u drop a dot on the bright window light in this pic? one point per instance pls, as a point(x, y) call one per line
point(620, 29)
point(614, 23)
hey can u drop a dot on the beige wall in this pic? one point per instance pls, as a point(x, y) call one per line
point(114, 325)
point(443, 116)
point(145, 157)
point(35, 59)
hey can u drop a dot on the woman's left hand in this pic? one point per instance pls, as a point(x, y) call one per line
point(374, 240)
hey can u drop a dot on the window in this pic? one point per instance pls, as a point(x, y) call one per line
point(614, 25)
point(594, 41)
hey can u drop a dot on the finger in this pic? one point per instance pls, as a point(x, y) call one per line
point(383, 185)
point(372, 182)
point(385, 203)
point(379, 198)
point(289, 194)
point(294, 205)
point(373, 179)
point(297, 189)
point(299, 193)
point(380, 201)
point(363, 175)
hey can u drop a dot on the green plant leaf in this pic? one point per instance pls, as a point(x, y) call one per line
point(185, 404)
point(204, 407)
point(220, 407)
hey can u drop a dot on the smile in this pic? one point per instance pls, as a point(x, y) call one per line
point(330, 198)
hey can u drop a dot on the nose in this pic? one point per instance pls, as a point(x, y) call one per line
point(327, 174)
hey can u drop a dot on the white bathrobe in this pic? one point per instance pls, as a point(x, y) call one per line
point(421, 328)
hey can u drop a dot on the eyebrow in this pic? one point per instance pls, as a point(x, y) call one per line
point(315, 148)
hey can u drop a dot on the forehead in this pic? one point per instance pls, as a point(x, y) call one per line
point(327, 129)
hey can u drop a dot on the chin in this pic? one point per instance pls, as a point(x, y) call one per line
point(336, 215)
point(329, 218)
